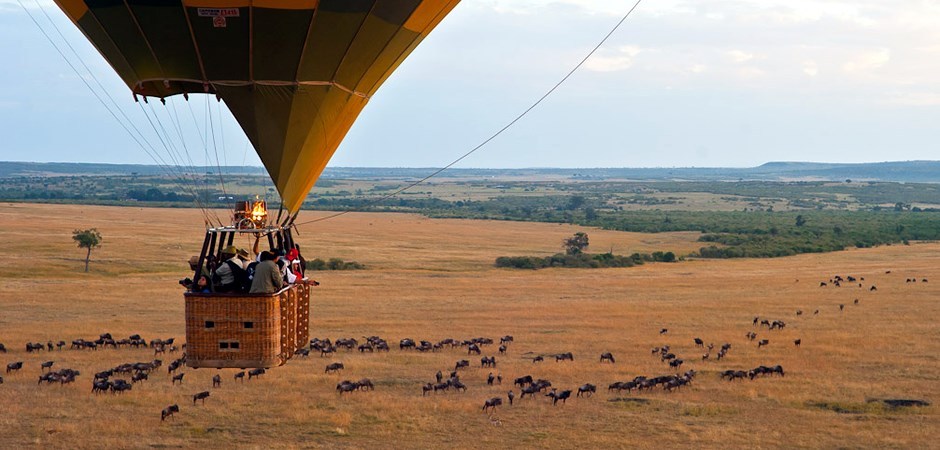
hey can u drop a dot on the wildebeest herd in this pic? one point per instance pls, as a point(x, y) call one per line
point(122, 378)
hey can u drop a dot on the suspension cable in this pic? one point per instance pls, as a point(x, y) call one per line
point(494, 135)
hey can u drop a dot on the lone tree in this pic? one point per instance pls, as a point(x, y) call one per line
point(576, 244)
point(89, 239)
point(800, 221)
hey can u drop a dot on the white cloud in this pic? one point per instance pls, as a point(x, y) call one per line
point(810, 68)
point(739, 56)
point(868, 60)
point(613, 61)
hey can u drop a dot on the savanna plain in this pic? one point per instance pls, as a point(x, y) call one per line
point(431, 279)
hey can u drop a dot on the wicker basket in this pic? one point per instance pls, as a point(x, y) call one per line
point(246, 331)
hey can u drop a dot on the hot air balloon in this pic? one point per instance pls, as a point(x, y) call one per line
point(295, 74)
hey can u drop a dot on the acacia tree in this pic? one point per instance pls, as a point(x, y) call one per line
point(576, 244)
point(89, 239)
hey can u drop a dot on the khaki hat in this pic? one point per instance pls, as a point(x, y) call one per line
point(243, 254)
point(230, 250)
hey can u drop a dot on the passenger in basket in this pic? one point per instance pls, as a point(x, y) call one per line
point(231, 275)
point(267, 279)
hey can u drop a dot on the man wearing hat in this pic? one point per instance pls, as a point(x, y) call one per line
point(231, 275)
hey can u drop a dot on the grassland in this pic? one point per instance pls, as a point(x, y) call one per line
point(433, 279)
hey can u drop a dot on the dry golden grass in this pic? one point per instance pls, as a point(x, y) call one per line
point(433, 279)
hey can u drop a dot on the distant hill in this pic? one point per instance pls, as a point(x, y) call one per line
point(899, 171)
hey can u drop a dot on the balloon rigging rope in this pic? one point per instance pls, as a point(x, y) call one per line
point(138, 138)
point(495, 135)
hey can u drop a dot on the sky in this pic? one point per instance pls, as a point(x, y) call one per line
point(722, 83)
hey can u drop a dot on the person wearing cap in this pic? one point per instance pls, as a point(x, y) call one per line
point(230, 276)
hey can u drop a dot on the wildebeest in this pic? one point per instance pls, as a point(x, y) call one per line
point(303, 352)
point(473, 349)
point(488, 362)
point(587, 389)
point(538, 359)
point(461, 364)
point(490, 378)
point(841, 307)
point(346, 386)
point(763, 342)
point(178, 378)
point(240, 376)
point(529, 390)
point(492, 403)
point(334, 367)
point(426, 388)
point(98, 387)
point(505, 339)
point(699, 342)
point(201, 396)
point(676, 363)
point(406, 343)
point(457, 385)
point(564, 356)
point(856, 301)
point(502, 349)
point(255, 373)
point(46, 365)
point(563, 396)
point(664, 331)
point(511, 395)
point(873, 288)
point(366, 384)
point(14, 366)
point(3, 348)
point(217, 380)
point(522, 381)
point(797, 342)
point(607, 356)
point(139, 377)
point(169, 411)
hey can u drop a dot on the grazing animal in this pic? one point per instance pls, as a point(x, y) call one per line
point(505, 339)
point(492, 403)
point(522, 381)
point(169, 411)
point(3, 348)
point(473, 349)
point(346, 386)
point(664, 331)
point(563, 396)
point(797, 342)
point(334, 367)
point(511, 395)
point(439, 376)
point(676, 363)
point(816, 313)
point(699, 342)
point(14, 366)
point(799, 312)
point(607, 357)
point(841, 307)
point(502, 349)
point(873, 288)
point(178, 378)
point(240, 376)
point(366, 384)
point(201, 396)
point(564, 356)
point(46, 365)
point(588, 390)
point(529, 390)
point(756, 319)
point(490, 378)
point(217, 380)
point(255, 373)
point(538, 359)
point(142, 376)
point(763, 342)
point(461, 364)
point(426, 389)
point(856, 301)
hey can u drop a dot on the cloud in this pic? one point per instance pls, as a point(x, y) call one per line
point(613, 61)
point(739, 56)
point(868, 60)
point(810, 68)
